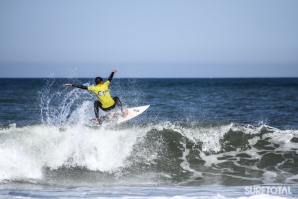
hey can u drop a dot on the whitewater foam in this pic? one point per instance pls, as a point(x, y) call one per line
point(25, 151)
point(159, 150)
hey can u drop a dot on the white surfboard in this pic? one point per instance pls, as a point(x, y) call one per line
point(132, 112)
point(116, 117)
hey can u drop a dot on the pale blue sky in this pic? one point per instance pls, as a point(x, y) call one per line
point(156, 38)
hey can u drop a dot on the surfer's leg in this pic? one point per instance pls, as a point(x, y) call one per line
point(97, 105)
point(119, 104)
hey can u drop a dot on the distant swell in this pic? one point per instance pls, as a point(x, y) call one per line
point(152, 153)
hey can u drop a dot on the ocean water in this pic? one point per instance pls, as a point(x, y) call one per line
point(200, 138)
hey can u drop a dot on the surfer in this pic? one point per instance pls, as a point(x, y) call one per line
point(105, 102)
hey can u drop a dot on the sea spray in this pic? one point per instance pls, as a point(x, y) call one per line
point(57, 102)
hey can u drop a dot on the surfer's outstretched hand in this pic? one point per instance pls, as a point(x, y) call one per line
point(67, 84)
point(114, 71)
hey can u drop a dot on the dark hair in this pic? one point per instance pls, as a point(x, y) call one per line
point(98, 80)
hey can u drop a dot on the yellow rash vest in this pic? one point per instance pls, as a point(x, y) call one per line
point(103, 94)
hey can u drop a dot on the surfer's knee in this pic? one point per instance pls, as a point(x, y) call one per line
point(96, 103)
point(117, 100)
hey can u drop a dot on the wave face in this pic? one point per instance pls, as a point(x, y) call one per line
point(162, 153)
point(196, 132)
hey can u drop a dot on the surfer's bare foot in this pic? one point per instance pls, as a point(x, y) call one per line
point(96, 121)
point(125, 113)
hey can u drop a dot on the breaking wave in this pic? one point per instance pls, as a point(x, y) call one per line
point(164, 153)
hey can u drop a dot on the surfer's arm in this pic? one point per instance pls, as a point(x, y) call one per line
point(77, 86)
point(112, 75)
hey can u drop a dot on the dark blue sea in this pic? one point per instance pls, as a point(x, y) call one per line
point(200, 138)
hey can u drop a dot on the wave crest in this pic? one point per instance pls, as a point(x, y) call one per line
point(153, 153)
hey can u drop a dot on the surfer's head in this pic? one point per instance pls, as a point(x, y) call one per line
point(98, 80)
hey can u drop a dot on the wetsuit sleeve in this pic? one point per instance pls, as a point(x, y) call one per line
point(111, 76)
point(80, 86)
